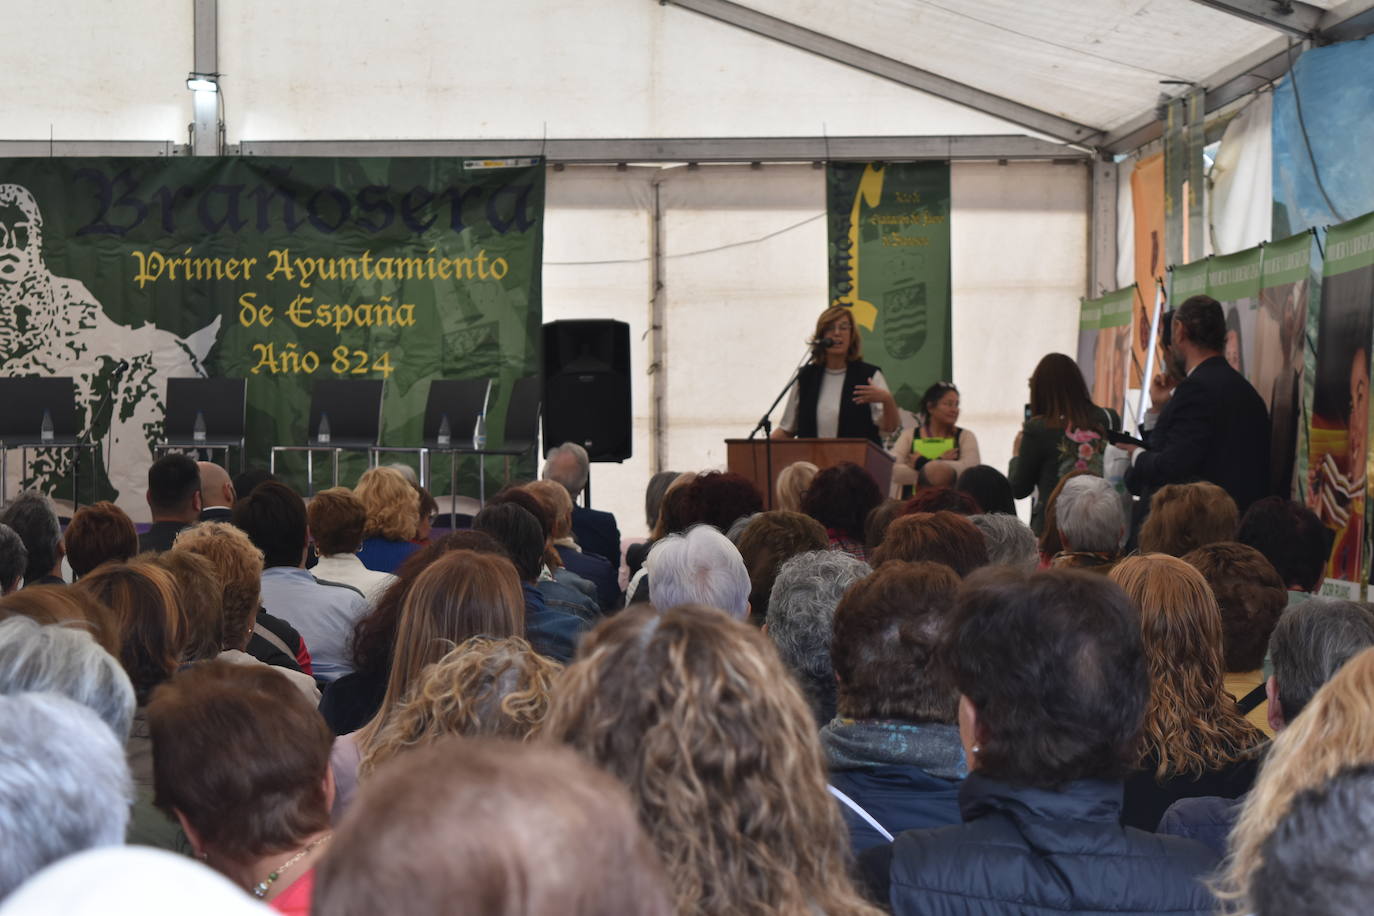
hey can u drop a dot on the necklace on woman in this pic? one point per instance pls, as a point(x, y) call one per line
point(260, 889)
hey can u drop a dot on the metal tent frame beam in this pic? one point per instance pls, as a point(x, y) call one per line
point(878, 65)
point(1291, 16)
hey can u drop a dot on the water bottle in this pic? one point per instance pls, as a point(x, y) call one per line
point(445, 432)
point(323, 433)
point(45, 431)
point(479, 433)
point(198, 431)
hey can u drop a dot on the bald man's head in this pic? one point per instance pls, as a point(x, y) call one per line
point(216, 489)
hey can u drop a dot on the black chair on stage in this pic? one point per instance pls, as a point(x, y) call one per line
point(345, 415)
point(205, 413)
point(452, 408)
point(39, 412)
point(522, 424)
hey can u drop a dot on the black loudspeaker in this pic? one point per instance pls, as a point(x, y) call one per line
point(587, 387)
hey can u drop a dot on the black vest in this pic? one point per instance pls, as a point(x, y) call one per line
point(856, 420)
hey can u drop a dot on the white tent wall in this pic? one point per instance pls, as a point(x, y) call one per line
point(1241, 190)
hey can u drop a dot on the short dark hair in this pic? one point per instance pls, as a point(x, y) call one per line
point(1204, 320)
point(173, 481)
point(989, 488)
point(14, 556)
point(718, 498)
point(840, 497)
point(530, 503)
point(250, 784)
point(940, 537)
point(247, 481)
point(31, 516)
point(1290, 536)
point(99, 532)
point(769, 540)
point(1054, 664)
point(941, 499)
point(888, 631)
point(1319, 858)
point(273, 517)
point(1311, 642)
point(517, 529)
point(336, 519)
point(1250, 595)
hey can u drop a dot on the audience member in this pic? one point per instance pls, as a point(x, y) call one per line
point(64, 785)
point(875, 526)
point(1332, 733)
point(939, 537)
point(699, 567)
point(989, 488)
point(273, 517)
point(562, 589)
point(429, 509)
point(1186, 516)
point(801, 618)
point(1053, 685)
point(718, 498)
point(507, 829)
point(840, 498)
point(47, 658)
point(792, 483)
point(216, 493)
point(456, 597)
point(1292, 538)
point(69, 607)
point(694, 713)
point(1319, 859)
point(769, 540)
point(200, 597)
point(894, 752)
point(173, 497)
point(242, 762)
point(393, 518)
point(654, 493)
point(485, 688)
point(1091, 523)
point(552, 631)
point(558, 506)
point(1250, 596)
point(14, 557)
point(1309, 645)
point(1194, 742)
point(1009, 541)
point(596, 531)
point(336, 519)
point(98, 533)
point(247, 481)
point(1050, 545)
point(672, 519)
point(941, 499)
point(32, 517)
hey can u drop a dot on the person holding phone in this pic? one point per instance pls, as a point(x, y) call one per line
point(1064, 431)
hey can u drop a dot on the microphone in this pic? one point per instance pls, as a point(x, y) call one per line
point(120, 368)
point(824, 342)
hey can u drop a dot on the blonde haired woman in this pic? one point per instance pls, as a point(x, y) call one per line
point(1195, 741)
point(393, 518)
point(792, 483)
point(694, 712)
point(1335, 730)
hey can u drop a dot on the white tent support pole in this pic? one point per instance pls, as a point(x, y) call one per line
point(878, 65)
point(658, 369)
point(1102, 225)
point(1290, 16)
point(205, 126)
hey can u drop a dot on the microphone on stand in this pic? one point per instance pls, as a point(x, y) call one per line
point(116, 374)
point(825, 342)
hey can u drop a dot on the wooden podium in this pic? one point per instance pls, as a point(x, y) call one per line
point(750, 458)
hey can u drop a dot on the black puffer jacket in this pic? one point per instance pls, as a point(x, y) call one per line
point(1033, 851)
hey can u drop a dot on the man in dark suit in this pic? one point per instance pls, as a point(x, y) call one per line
point(216, 493)
point(1213, 427)
point(173, 497)
point(595, 532)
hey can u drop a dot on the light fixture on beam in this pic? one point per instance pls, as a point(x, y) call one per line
point(203, 82)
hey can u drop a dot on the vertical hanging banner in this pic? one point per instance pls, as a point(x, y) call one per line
point(1234, 281)
point(123, 273)
point(1280, 354)
point(1104, 345)
point(889, 264)
point(1337, 471)
point(1185, 281)
point(1147, 204)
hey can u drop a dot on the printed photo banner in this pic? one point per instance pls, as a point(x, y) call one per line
point(889, 263)
point(1104, 345)
point(1282, 360)
point(1338, 457)
point(280, 271)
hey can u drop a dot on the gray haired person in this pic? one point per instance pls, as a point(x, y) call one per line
point(33, 518)
point(569, 465)
point(66, 661)
point(801, 619)
point(14, 558)
point(64, 784)
point(699, 567)
point(1010, 541)
point(1092, 524)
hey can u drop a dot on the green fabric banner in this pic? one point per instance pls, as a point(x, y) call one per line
point(1104, 344)
point(279, 271)
point(889, 263)
point(1186, 280)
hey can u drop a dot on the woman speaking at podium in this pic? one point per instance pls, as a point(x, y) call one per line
point(838, 394)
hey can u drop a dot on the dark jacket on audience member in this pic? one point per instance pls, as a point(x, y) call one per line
point(276, 642)
point(595, 570)
point(596, 532)
point(1209, 820)
point(1031, 851)
point(351, 701)
point(1146, 799)
point(550, 632)
point(903, 775)
point(159, 536)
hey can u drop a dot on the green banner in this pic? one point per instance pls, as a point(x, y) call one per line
point(280, 271)
point(1234, 277)
point(1104, 344)
point(1349, 246)
point(889, 263)
point(1186, 280)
